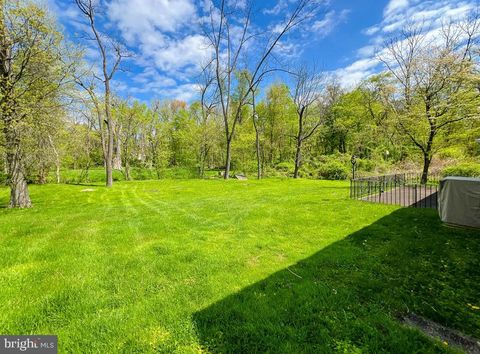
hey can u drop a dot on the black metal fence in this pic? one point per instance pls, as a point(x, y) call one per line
point(402, 189)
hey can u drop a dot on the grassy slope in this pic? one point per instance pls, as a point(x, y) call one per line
point(191, 265)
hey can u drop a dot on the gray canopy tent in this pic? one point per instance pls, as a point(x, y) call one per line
point(459, 201)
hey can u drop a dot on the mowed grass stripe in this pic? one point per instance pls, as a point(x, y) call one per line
point(209, 265)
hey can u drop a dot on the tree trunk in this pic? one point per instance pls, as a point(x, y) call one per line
point(42, 174)
point(427, 152)
point(102, 137)
point(426, 165)
point(259, 162)
point(258, 152)
point(298, 158)
point(155, 161)
point(127, 171)
point(271, 142)
point(57, 172)
point(203, 159)
point(126, 163)
point(57, 159)
point(109, 162)
point(117, 156)
point(201, 171)
point(19, 196)
point(227, 162)
point(257, 138)
point(117, 161)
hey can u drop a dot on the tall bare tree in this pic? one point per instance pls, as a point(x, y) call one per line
point(108, 48)
point(306, 96)
point(256, 126)
point(86, 81)
point(229, 32)
point(208, 104)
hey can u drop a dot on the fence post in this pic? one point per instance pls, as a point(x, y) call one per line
point(379, 192)
point(415, 196)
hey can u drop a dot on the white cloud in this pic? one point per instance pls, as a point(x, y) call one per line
point(165, 36)
point(327, 24)
point(161, 31)
point(429, 15)
point(184, 92)
point(288, 50)
point(366, 51)
point(371, 30)
point(356, 72)
point(135, 18)
point(151, 78)
point(395, 5)
point(189, 51)
point(279, 7)
point(169, 46)
point(239, 4)
point(67, 14)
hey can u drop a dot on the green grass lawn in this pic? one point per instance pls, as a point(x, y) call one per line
point(238, 266)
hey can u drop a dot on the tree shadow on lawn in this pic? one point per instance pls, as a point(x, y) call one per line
point(348, 297)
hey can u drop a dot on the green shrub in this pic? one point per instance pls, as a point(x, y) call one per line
point(366, 165)
point(333, 170)
point(285, 166)
point(336, 157)
point(453, 152)
point(307, 171)
point(463, 169)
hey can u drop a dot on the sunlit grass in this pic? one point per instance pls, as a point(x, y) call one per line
point(142, 267)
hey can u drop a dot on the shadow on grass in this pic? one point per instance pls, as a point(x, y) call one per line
point(347, 297)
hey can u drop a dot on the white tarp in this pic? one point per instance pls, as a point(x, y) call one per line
point(459, 201)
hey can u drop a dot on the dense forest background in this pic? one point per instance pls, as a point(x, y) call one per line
point(62, 122)
point(172, 139)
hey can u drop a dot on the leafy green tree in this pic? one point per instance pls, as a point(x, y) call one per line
point(129, 118)
point(34, 69)
point(435, 83)
point(279, 118)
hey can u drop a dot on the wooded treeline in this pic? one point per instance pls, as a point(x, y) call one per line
point(58, 115)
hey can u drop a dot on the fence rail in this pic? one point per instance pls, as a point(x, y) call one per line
point(402, 189)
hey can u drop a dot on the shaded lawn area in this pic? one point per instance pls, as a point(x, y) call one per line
point(238, 266)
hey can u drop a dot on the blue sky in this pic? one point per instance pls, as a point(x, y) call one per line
point(167, 41)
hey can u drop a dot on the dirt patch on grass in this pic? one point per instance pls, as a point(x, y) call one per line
point(449, 336)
